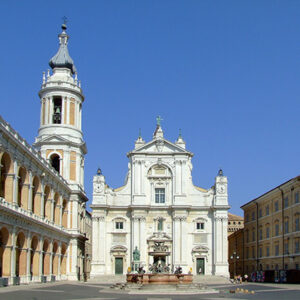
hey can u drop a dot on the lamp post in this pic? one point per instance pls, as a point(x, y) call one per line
point(234, 257)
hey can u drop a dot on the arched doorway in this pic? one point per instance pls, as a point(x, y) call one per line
point(4, 252)
point(34, 257)
point(21, 255)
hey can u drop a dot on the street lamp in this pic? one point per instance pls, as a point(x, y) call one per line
point(235, 257)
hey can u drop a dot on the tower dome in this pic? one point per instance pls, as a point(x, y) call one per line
point(62, 58)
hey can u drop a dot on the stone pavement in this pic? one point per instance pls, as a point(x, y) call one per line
point(94, 290)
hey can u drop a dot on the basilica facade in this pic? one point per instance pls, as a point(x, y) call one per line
point(159, 218)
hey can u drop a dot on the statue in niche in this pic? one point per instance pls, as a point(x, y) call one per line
point(136, 254)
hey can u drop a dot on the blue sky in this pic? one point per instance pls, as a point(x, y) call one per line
point(226, 72)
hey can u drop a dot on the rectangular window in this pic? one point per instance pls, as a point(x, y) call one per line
point(267, 210)
point(286, 226)
point(253, 235)
point(159, 195)
point(260, 233)
point(247, 217)
point(160, 225)
point(253, 252)
point(297, 197)
point(297, 224)
point(267, 232)
point(260, 251)
point(297, 266)
point(276, 229)
point(276, 250)
point(200, 226)
point(268, 251)
point(119, 225)
point(276, 206)
point(260, 213)
point(56, 117)
point(286, 248)
point(286, 202)
point(247, 236)
point(297, 249)
point(247, 252)
point(253, 215)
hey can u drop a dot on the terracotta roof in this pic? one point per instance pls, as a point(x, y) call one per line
point(232, 217)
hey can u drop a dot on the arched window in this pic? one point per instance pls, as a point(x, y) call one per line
point(55, 162)
point(5, 167)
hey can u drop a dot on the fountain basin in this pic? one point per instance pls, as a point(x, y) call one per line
point(149, 278)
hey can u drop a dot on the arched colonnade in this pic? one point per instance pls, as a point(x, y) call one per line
point(29, 256)
point(23, 188)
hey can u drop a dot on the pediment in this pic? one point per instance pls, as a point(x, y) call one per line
point(159, 236)
point(54, 139)
point(200, 248)
point(160, 145)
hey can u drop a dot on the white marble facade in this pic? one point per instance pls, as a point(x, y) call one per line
point(160, 207)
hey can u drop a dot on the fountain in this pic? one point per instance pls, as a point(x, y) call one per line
point(159, 271)
point(159, 279)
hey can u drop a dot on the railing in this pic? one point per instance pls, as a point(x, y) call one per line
point(29, 214)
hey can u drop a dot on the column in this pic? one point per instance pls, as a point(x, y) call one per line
point(183, 174)
point(46, 111)
point(50, 110)
point(52, 210)
point(60, 212)
point(143, 243)
point(41, 112)
point(41, 256)
point(135, 233)
point(95, 250)
point(176, 241)
point(28, 262)
point(59, 260)
point(102, 242)
point(42, 212)
point(30, 191)
point(68, 110)
point(69, 215)
point(142, 190)
point(137, 177)
point(63, 110)
point(75, 215)
point(15, 183)
point(78, 166)
point(183, 235)
point(177, 177)
point(51, 259)
point(13, 253)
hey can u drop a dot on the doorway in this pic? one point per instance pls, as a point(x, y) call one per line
point(200, 266)
point(118, 265)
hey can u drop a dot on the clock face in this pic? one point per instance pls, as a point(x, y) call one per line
point(221, 189)
point(98, 188)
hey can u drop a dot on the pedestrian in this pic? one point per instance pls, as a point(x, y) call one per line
point(246, 277)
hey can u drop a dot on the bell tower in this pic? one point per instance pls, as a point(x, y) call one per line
point(60, 139)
